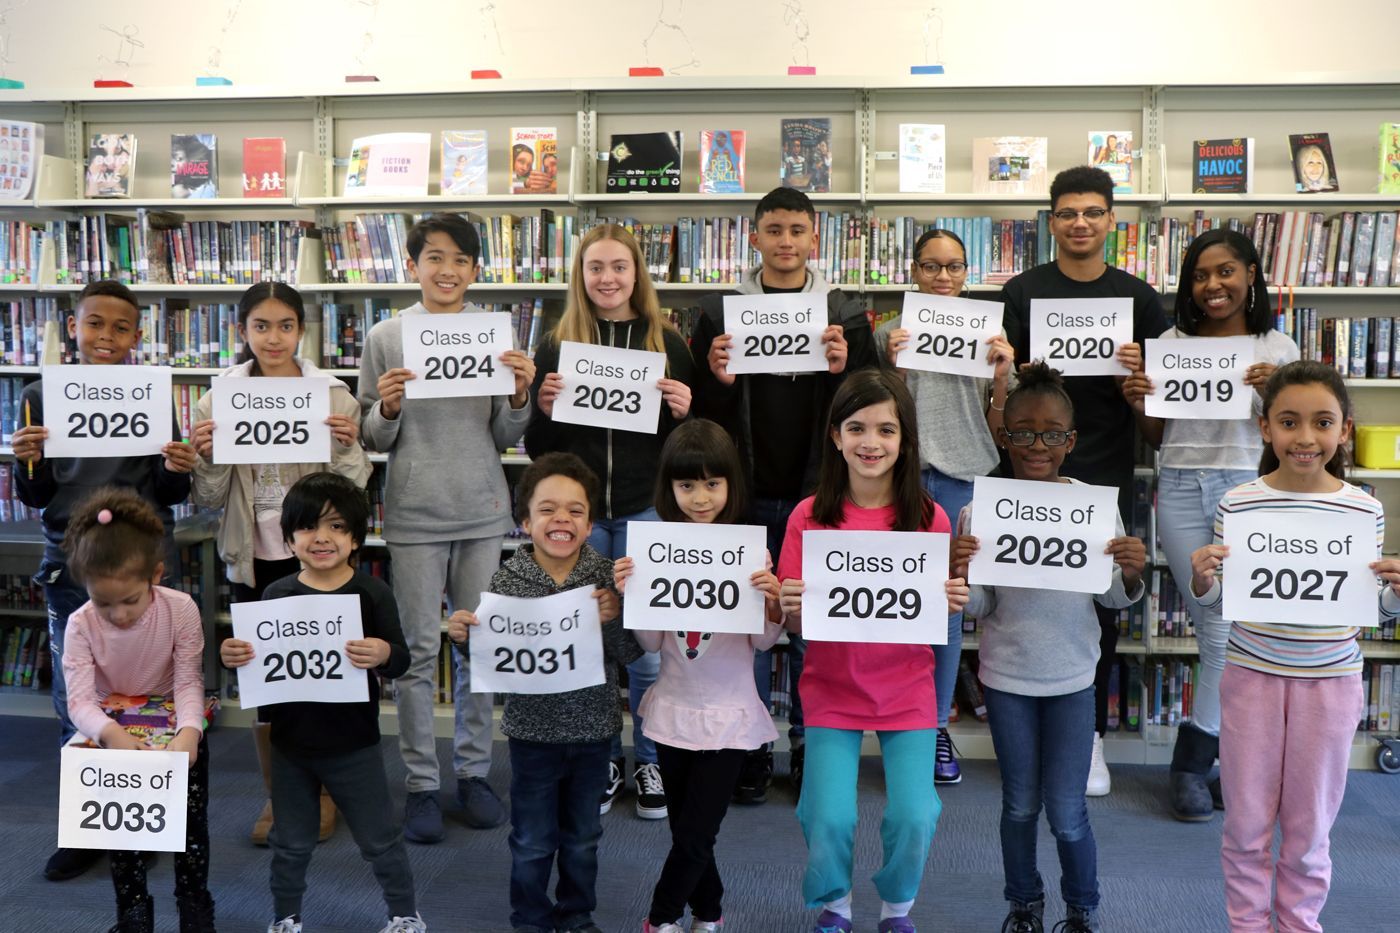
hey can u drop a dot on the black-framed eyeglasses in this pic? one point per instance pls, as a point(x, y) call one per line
point(931, 269)
point(1028, 438)
point(1068, 216)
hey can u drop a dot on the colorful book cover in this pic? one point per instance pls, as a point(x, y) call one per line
point(111, 166)
point(534, 160)
point(194, 165)
point(806, 154)
point(149, 718)
point(1010, 165)
point(1112, 151)
point(21, 146)
point(1389, 181)
point(264, 167)
point(645, 162)
point(922, 158)
point(721, 161)
point(1313, 167)
point(463, 162)
point(389, 165)
point(1222, 166)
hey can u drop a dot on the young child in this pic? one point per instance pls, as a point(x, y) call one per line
point(271, 321)
point(1225, 296)
point(612, 302)
point(136, 637)
point(559, 742)
point(446, 511)
point(1038, 653)
point(1291, 695)
point(959, 420)
point(325, 518)
point(778, 420)
point(869, 481)
point(703, 712)
point(106, 325)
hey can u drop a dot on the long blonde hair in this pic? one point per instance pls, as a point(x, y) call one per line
point(580, 320)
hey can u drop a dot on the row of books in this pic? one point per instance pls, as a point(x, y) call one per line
point(11, 509)
point(1356, 249)
point(1381, 687)
point(20, 244)
point(346, 327)
point(1358, 347)
point(187, 396)
point(194, 166)
point(25, 660)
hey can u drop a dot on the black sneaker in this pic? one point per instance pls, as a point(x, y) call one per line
point(754, 777)
point(422, 817)
point(945, 760)
point(1078, 920)
point(1025, 918)
point(651, 795)
point(613, 790)
point(795, 763)
point(66, 864)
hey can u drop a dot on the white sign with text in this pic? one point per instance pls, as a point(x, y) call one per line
point(693, 577)
point(1200, 377)
point(299, 650)
point(948, 335)
point(875, 586)
point(1079, 336)
point(271, 419)
point(106, 411)
point(1042, 535)
point(780, 333)
point(552, 644)
point(456, 355)
point(122, 800)
point(610, 387)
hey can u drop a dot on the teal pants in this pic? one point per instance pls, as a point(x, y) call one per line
point(827, 812)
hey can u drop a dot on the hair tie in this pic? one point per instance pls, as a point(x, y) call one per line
point(104, 517)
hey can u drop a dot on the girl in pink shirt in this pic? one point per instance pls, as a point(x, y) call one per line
point(703, 711)
point(868, 481)
point(135, 637)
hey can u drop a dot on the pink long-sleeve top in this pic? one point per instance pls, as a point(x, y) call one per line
point(162, 653)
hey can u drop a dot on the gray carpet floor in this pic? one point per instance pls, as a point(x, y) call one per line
point(1155, 874)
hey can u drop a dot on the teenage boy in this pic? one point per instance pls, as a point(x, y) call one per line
point(446, 509)
point(560, 743)
point(106, 325)
point(777, 420)
point(1081, 206)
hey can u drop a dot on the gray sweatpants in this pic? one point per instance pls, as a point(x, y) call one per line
point(420, 574)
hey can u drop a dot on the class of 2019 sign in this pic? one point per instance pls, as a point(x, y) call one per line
point(1199, 377)
point(780, 333)
point(948, 335)
point(122, 800)
point(693, 577)
point(610, 387)
point(552, 644)
point(1079, 336)
point(299, 650)
point(106, 411)
point(875, 586)
point(1042, 535)
point(271, 419)
point(456, 355)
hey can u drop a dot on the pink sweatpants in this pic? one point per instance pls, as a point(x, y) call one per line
point(1284, 747)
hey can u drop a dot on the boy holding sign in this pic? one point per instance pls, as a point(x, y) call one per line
point(559, 742)
point(446, 509)
point(106, 324)
point(1081, 206)
point(333, 745)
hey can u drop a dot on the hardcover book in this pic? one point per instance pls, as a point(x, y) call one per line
point(922, 158)
point(1112, 151)
point(1222, 166)
point(194, 165)
point(534, 160)
point(389, 165)
point(265, 167)
point(111, 166)
point(806, 154)
point(21, 145)
point(1010, 165)
point(721, 161)
point(1389, 181)
point(463, 162)
point(149, 718)
point(645, 162)
point(1313, 168)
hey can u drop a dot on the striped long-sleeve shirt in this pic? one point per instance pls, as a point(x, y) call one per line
point(1297, 650)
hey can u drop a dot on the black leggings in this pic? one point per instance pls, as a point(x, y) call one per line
point(698, 787)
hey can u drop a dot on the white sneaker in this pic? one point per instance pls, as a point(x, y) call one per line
point(706, 926)
point(290, 924)
point(412, 924)
point(1099, 781)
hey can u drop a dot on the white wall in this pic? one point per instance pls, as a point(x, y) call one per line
point(62, 44)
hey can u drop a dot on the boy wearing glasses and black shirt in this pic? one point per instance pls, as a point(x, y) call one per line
point(1081, 204)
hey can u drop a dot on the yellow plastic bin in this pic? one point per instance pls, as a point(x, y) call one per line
point(1378, 446)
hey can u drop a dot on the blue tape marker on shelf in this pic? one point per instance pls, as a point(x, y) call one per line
point(212, 82)
point(926, 69)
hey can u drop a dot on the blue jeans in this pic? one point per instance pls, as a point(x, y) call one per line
point(1186, 504)
point(609, 538)
point(554, 793)
point(951, 495)
point(63, 596)
point(1043, 746)
point(773, 514)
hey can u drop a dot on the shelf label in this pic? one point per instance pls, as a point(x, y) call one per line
point(456, 355)
point(299, 650)
point(883, 587)
point(776, 333)
point(106, 411)
point(948, 335)
point(123, 800)
point(548, 645)
point(1048, 536)
point(690, 576)
point(1078, 336)
point(271, 419)
point(610, 387)
point(1201, 377)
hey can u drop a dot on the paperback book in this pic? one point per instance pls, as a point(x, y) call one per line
point(111, 166)
point(806, 154)
point(389, 165)
point(1010, 165)
point(645, 162)
point(721, 161)
point(150, 719)
point(1222, 166)
point(1112, 151)
point(922, 158)
point(534, 160)
point(1389, 182)
point(1313, 167)
point(194, 165)
point(264, 167)
point(463, 162)
point(21, 145)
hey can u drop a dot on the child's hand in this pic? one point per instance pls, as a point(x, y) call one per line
point(622, 569)
point(390, 387)
point(608, 604)
point(964, 546)
point(1135, 389)
point(898, 340)
point(457, 625)
point(344, 430)
point(187, 741)
point(790, 601)
point(550, 389)
point(179, 457)
point(719, 359)
point(1205, 565)
point(958, 594)
point(28, 443)
point(1002, 356)
point(202, 439)
point(1130, 554)
point(1129, 355)
point(836, 348)
point(767, 584)
point(114, 736)
point(1258, 374)
point(676, 395)
point(524, 369)
point(367, 653)
point(1388, 571)
point(234, 652)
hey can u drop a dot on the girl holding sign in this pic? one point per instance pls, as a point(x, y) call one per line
point(271, 321)
point(136, 637)
point(1038, 654)
point(1223, 295)
point(612, 302)
point(958, 418)
point(1291, 694)
point(703, 712)
point(868, 481)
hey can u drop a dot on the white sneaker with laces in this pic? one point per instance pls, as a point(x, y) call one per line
point(1099, 781)
point(413, 924)
point(651, 795)
point(290, 924)
point(706, 926)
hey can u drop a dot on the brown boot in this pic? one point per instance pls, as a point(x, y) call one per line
point(262, 826)
point(327, 816)
point(262, 741)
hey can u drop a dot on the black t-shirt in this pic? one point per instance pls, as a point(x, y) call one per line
point(783, 404)
point(340, 728)
point(1103, 452)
